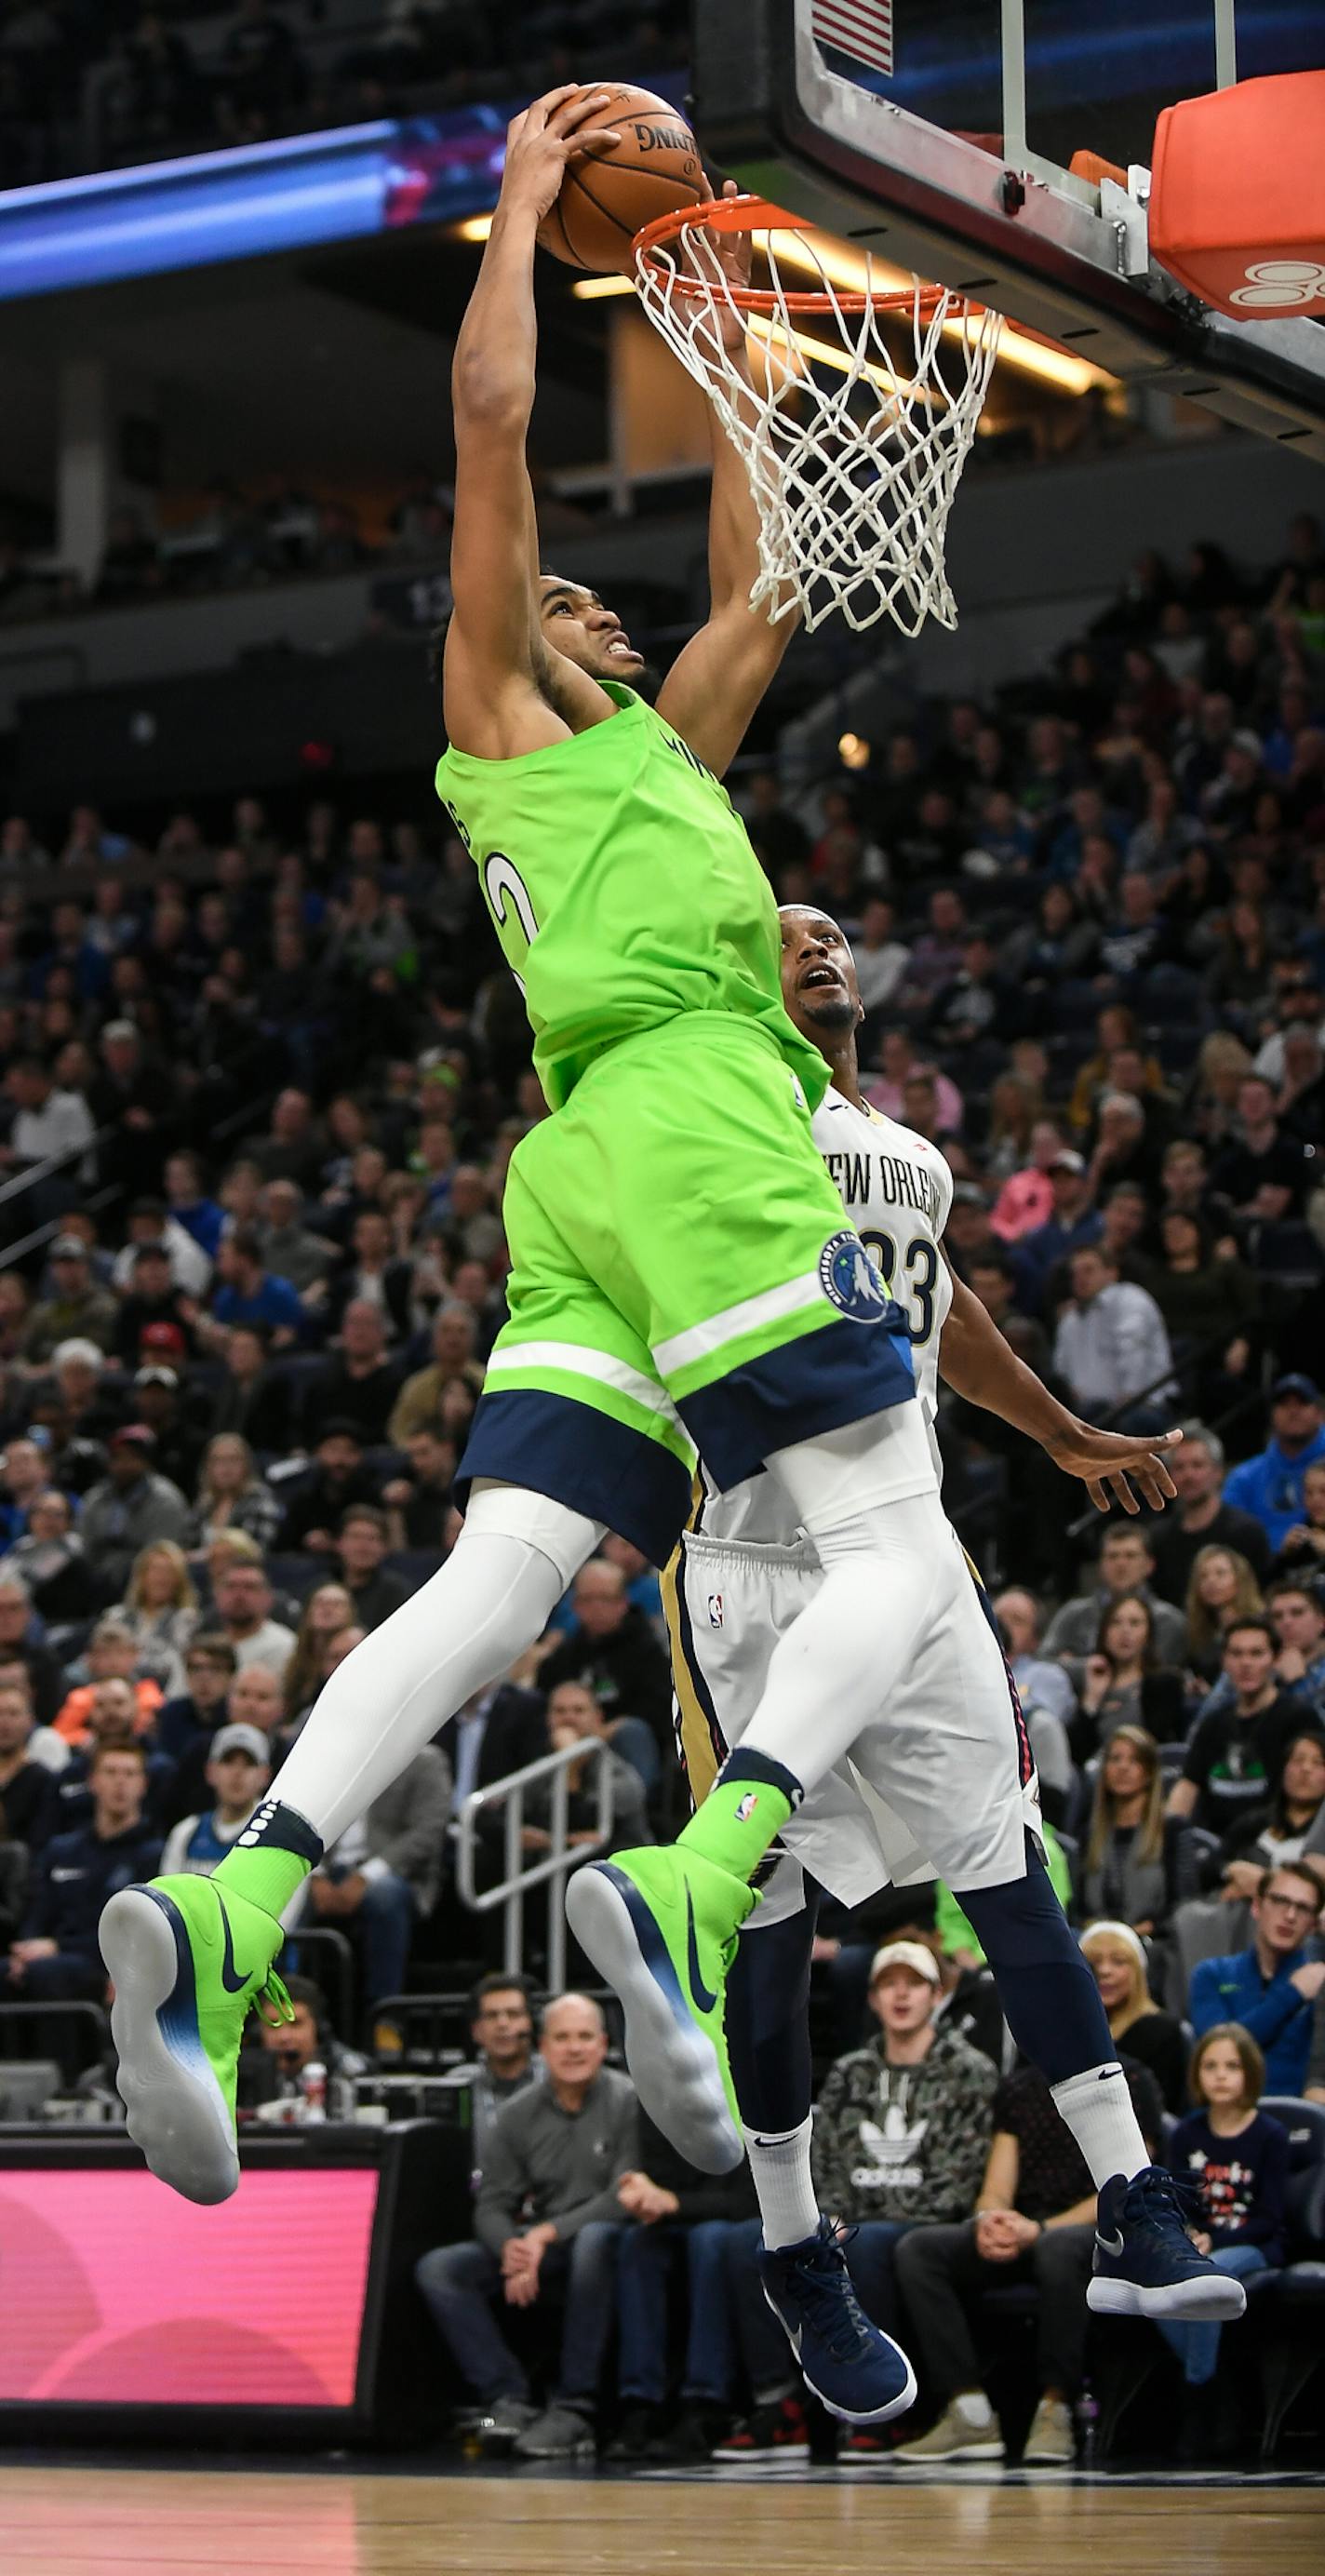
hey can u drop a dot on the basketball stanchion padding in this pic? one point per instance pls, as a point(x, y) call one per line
point(1237, 197)
point(861, 415)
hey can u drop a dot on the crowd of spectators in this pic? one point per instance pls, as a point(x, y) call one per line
point(92, 84)
point(262, 1084)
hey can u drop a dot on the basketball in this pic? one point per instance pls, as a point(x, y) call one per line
point(606, 199)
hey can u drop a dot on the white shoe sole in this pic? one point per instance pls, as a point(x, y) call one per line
point(672, 2065)
point(991, 2450)
point(853, 2414)
point(760, 2459)
point(1215, 2298)
point(176, 2110)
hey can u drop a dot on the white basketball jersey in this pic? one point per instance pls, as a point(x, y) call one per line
point(897, 1191)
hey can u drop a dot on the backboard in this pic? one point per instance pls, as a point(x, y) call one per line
point(938, 133)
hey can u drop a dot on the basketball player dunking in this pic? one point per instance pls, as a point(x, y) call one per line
point(682, 1283)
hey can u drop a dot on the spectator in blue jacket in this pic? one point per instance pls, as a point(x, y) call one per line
point(248, 1294)
point(1270, 1485)
point(1272, 1985)
point(57, 1958)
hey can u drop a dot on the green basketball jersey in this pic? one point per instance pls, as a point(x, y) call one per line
point(624, 891)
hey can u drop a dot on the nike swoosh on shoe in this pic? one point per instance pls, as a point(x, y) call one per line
point(703, 1998)
point(1109, 2244)
point(233, 1980)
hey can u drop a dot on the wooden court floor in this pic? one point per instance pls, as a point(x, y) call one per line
point(59, 2521)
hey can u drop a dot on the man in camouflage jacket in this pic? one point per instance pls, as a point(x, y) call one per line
point(901, 2128)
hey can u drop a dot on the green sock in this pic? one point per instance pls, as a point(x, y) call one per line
point(266, 1876)
point(271, 1859)
point(736, 1824)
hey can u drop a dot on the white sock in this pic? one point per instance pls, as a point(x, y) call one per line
point(1097, 2107)
point(461, 1631)
point(973, 2405)
point(781, 2170)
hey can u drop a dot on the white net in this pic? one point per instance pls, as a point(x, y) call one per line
point(857, 426)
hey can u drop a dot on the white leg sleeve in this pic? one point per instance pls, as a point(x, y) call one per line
point(869, 1498)
point(491, 1599)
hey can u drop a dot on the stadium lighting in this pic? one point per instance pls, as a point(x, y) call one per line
point(848, 268)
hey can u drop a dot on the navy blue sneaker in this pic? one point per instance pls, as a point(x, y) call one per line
point(1145, 2262)
point(852, 2367)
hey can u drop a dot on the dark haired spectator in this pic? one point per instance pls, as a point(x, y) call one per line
point(252, 1400)
point(19, 1647)
point(56, 1958)
point(1302, 1552)
point(243, 1602)
point(151, 1302)
point(1237, 1749)
point(129, 1509)
point(1271, 1987)
point(1136, 1862)
point(290, 1248)
point(1124, 1682)
point(250, 1294)
point(370, 1272)
point(1289, 1827)
point(25, 1783)
point(358, 1383)
point(501, 2025)
point(1297, 1615)
point(418, 1504)
point(361, 1545)
point(319, 1500)
point(51, 1560)
point(1126, 1564)
point(77, 1308)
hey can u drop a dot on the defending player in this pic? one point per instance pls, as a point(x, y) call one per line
point(682, 1279)
point(941, 1785)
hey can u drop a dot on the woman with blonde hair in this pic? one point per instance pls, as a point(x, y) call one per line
point(326, 1610)
point(231, 1495)
point(1221, 1590)
point(160, 1609)
point(1137, 1864)
point(1220, 1067)
point(1137, 2026)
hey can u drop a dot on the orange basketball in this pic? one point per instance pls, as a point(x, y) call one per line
point(607, 198)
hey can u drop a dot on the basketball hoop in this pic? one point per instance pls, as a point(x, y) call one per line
point(854, 442)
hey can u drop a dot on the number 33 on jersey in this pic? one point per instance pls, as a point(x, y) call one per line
point(896, 1189)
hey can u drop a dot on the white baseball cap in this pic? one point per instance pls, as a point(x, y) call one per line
point(905, 1954)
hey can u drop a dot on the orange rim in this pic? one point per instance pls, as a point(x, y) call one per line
point(756, 215)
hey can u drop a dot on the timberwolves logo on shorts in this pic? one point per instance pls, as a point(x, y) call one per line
point(848, 1277)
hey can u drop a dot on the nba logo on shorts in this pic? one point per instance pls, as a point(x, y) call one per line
point(715, 1609)
point(850, 1281)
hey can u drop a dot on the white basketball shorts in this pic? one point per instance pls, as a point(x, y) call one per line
point(942, 1784)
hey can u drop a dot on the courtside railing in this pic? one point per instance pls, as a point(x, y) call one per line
point(523, 1872)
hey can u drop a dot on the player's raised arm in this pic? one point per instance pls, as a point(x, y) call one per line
point(717, 681)
point(494, 705)
point(977, 1363)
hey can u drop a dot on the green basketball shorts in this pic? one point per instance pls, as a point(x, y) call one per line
point(683, 1286)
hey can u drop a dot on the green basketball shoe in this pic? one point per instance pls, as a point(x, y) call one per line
point(660, 1927)
point(188, 1965)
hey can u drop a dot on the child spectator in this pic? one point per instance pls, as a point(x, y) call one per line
point(1236, 2157)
